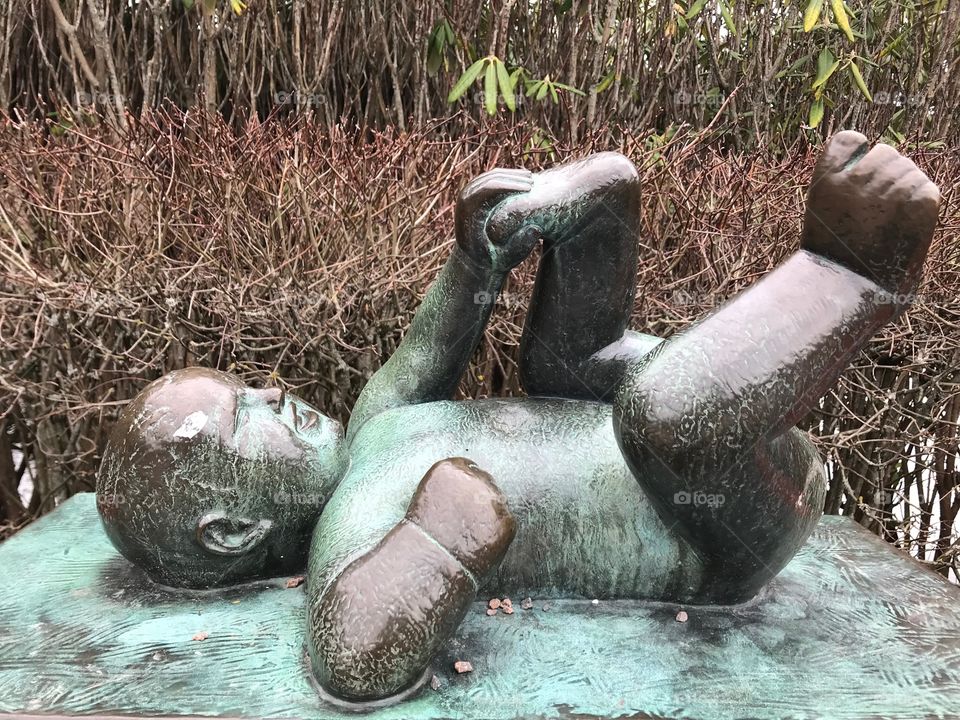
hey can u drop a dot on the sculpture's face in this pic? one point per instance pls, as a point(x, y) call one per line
point(207, 482)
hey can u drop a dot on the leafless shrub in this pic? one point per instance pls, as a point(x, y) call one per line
point(296, 254)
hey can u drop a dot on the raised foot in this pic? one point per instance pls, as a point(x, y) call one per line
point(873, 211)
point(459, 505)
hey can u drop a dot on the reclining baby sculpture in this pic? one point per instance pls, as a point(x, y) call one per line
point(637, 468)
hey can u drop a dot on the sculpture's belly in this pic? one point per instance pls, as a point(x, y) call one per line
point(584, 526)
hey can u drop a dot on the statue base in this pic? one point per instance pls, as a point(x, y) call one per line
point(850, 629)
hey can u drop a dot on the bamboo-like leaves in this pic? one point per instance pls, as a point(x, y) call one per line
point(858, 80)
point(440, 38)
point(816, 113)
point(606, 81)
point(490, 89)
point(696, 9)
point(498, 84)
point(827, 64)
point(539, 89)
point(727, 17)
point(506, 86)
point(469, 77)
point(840, 15)
point(812, 14)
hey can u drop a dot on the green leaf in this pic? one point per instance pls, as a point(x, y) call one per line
point(826, 66)
point(448, 32)
point(816, 113)
point(812, 14)
point(569, 89)
point(542, 91)
point(553, 93)
point(727, 17)
point(695, 9)
point(188, 4)
point(858, 79)
point(840, 15)
point(606, 81)
point(435, 50)
point(490, 89)
point(793, 68)
point(894, 44)
point(506, 85)
point(434, 59)
point(466, 80)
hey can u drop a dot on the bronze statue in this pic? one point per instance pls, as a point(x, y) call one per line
point(637, 468)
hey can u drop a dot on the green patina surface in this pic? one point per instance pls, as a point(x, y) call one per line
point(850, 629)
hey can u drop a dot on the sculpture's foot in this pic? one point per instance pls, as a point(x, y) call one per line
point(378, 625)
point(569, 200)
point(872, 210)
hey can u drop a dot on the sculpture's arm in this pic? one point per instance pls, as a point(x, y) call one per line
point(448, 325)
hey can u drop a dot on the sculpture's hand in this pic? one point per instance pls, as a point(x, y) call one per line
point(873, 211)
point(500, 246)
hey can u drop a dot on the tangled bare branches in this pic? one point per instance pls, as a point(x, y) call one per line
point(293, 253)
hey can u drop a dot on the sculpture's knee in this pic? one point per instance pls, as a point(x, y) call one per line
point(743, 502)
point(657, 426)
point(374, 630)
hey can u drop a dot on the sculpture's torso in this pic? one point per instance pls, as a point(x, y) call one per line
point(584, 525)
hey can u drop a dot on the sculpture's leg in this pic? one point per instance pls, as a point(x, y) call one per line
point(375, 627)
point(586, 280)
point(710, 411)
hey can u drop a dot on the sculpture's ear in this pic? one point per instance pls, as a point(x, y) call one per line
point(222, 534)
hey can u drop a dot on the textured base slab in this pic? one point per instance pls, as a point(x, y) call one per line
point(850, 629)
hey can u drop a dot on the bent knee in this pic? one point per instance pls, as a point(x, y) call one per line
point(353, 654)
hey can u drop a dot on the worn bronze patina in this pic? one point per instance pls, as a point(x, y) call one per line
point(637, 469)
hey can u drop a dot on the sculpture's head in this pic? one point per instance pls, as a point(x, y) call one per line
point(206, 482)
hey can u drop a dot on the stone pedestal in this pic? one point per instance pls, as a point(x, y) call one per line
point(850, 629)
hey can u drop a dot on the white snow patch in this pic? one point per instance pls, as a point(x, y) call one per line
point(192, 424)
